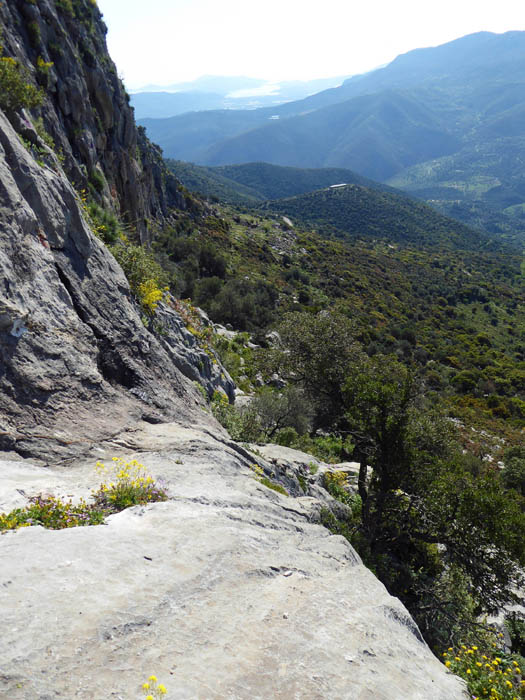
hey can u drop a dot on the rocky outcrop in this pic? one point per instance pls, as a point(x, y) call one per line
point(227, 590)
point(76, 362)
point(86, 109)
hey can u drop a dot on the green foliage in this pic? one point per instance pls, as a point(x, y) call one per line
point(265, 481)
point(328, 448)
point(97, 180)
point(423, 493)
point(34, 33)
point(489, 673)
point(40, 129)
point(515, 624)
point(104, 223)
point(513, 475)
point(360, 212)
point(336, 485)
point(66, 6)
point(42, 71)
point(288, 408)
point(303, 358)
point(145, 276)
point(273, 486)
point(52, 513)
point(241, 425)
point(16, 90)
point(244, 303)
point(129, 485)
point(252, 182)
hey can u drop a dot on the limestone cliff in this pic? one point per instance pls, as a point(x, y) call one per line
point(86, 109)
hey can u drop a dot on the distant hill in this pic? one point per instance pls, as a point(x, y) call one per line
point(375, 135)
point(257, 182)
point(445, 123)
point(355, 212)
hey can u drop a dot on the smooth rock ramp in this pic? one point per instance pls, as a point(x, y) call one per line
point(227, 590)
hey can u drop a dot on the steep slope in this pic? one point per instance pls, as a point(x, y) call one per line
point(86, 109)
point(76, 359)
point(76, 362)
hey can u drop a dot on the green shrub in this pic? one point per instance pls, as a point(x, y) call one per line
point(241, 425)
point(515, 625)
point(66, 6)
point(40, 129)
point(488, 675)
point(129, 485)
point(335, 483)
point(52, 513)
point(265, 481)
point(97, 179)
point(16, 92)
point(146, 278)
point(42, 71)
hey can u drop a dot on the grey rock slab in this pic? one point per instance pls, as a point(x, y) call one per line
point(227, 590)
point(77, 364)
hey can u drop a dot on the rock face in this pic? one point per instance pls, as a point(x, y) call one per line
point(227, 590)
point(86, 109)
point(76, 362)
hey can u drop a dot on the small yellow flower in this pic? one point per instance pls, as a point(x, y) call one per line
point(145, 686)
point(447, 664)
point(153, 679)
point(150, 697)
point(162, 689)
point(468, 670)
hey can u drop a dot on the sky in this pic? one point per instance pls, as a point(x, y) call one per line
point(169, 41)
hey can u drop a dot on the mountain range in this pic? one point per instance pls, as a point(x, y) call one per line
point(443, 123)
